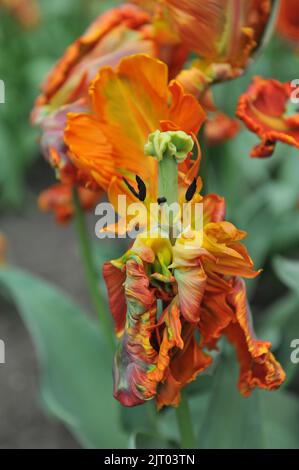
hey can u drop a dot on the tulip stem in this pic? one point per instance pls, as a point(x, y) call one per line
point(185, 424)
point(90, 270)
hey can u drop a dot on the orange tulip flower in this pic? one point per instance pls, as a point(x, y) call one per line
point(267, 110)
point(220, 32)
point(127, 104)
point(200, 287)
point(120, 32)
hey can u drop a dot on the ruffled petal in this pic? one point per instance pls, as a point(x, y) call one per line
point(191, 287)
point(184, 368)
point(258, 367)
point(115, 278)
point(135, 355)
point(222, 241)
point(264, 110)
point(104, 43)
point(89, 148)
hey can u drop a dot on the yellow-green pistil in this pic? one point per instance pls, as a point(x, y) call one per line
point(169, 148)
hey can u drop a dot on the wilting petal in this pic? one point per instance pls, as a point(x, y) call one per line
point(288, 20)
point(184, 368)
point(216, 314)
point(258, 367)
point(171, 339)
point(115, 278)
point(264, 108)
point(59, 200)
point(135, 355)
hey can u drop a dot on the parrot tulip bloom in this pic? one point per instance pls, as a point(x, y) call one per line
point(116, 34)
point(288, 20)
point(198, 282)
point(266, 109)
point(119, 33)
point(219, 32)
point(127, 104)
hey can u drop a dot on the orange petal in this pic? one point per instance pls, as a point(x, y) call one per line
point(184, 368)
point(288, 20)
point(72, 72)
point(89, 148)
point(114, 279)
point(214, 208)
point(59, 200)
point(135, 356)
point(220, 128)
point(185, 112)
point(222, 241)
point(258, 367)
point(191, 287)
point(263, 109)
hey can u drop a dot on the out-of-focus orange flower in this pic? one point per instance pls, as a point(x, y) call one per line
point(120, 32)
point(25, 11)
point(267, 110)
point(59, 200)
point(3, 248)
point(220, 128)
point(288, 20)
point(127, 104)
point(198, 282)
point(219, 31)
point(116, 34)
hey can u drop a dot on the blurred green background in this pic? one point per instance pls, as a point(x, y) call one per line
point(262, 198)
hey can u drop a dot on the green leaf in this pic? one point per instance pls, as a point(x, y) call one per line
point(75, 362)
point(231, 421)
point(288, 272)
point(280, 415)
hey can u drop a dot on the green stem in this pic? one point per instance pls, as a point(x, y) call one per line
point(185, 424)
point(90, 270)
point(168, 180)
